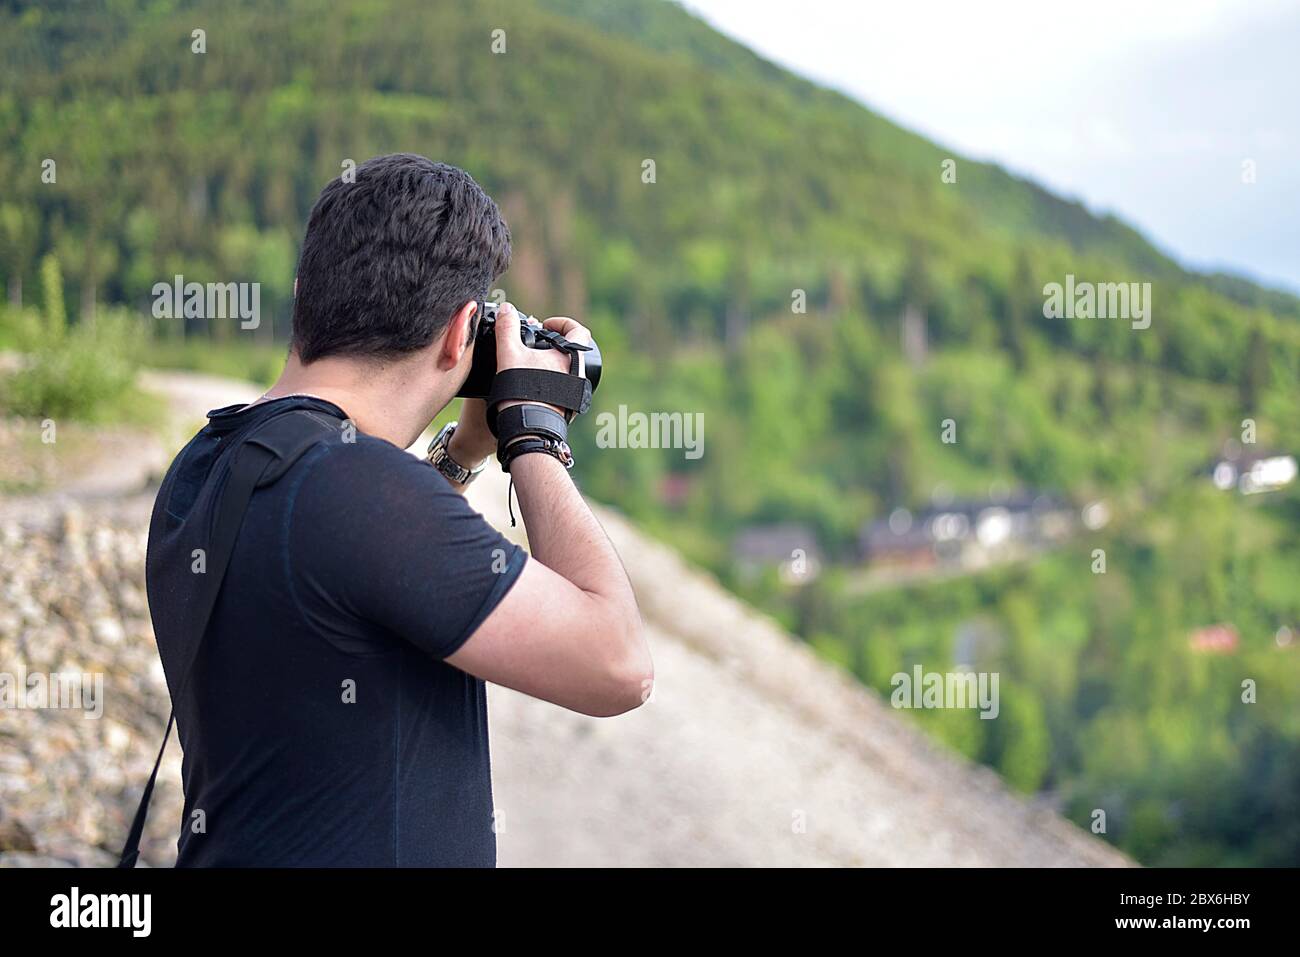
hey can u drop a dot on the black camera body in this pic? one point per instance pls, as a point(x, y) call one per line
point(483, 367)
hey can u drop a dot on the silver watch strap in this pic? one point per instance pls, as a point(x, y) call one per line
point(440, 458)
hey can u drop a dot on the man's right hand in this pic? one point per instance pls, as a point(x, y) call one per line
point(513, 354)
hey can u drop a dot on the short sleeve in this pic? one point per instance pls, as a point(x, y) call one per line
point(378, 536)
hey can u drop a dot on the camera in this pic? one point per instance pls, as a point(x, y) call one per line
point(484, 364)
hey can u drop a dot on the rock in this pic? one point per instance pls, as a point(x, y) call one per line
point(14, 836)
point(108, 630)
point(72, 601)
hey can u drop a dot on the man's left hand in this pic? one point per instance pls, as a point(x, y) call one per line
point(473, 441)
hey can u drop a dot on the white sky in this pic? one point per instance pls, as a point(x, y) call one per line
point(1145, 108)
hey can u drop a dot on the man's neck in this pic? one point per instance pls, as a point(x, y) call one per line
point(390, 401)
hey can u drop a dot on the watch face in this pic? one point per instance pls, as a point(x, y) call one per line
point(440, 440)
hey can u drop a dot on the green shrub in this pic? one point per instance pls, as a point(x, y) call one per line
point(85, 372)
point(259, 363)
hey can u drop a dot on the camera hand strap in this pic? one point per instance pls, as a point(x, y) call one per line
point(570, 391)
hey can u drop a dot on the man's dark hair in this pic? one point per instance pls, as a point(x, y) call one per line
point(389, 258)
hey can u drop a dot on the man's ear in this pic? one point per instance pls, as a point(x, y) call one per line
point(455, 338)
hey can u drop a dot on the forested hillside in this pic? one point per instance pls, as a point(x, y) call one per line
point(744, 245)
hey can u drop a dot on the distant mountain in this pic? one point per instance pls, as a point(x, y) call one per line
point(757, 170)
point(1015, 205)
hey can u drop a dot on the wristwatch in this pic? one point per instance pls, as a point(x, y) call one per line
point(440, 459)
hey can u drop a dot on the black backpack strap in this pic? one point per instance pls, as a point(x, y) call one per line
point(265, 454)
point(131, 849)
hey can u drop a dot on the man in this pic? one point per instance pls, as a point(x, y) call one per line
point(336, 712)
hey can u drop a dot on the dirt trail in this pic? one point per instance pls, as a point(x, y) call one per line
point(751, 752)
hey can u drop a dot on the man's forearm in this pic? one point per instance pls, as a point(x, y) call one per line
point(568, 631)
point(564, 535)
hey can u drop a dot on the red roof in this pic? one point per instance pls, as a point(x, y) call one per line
point(1218, 639)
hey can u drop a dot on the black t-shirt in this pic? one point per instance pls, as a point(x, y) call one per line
point(321, 726)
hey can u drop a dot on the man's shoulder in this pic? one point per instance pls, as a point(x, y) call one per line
point(349, 451)
point(360, 463)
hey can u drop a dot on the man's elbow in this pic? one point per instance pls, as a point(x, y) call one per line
point(628, 675)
